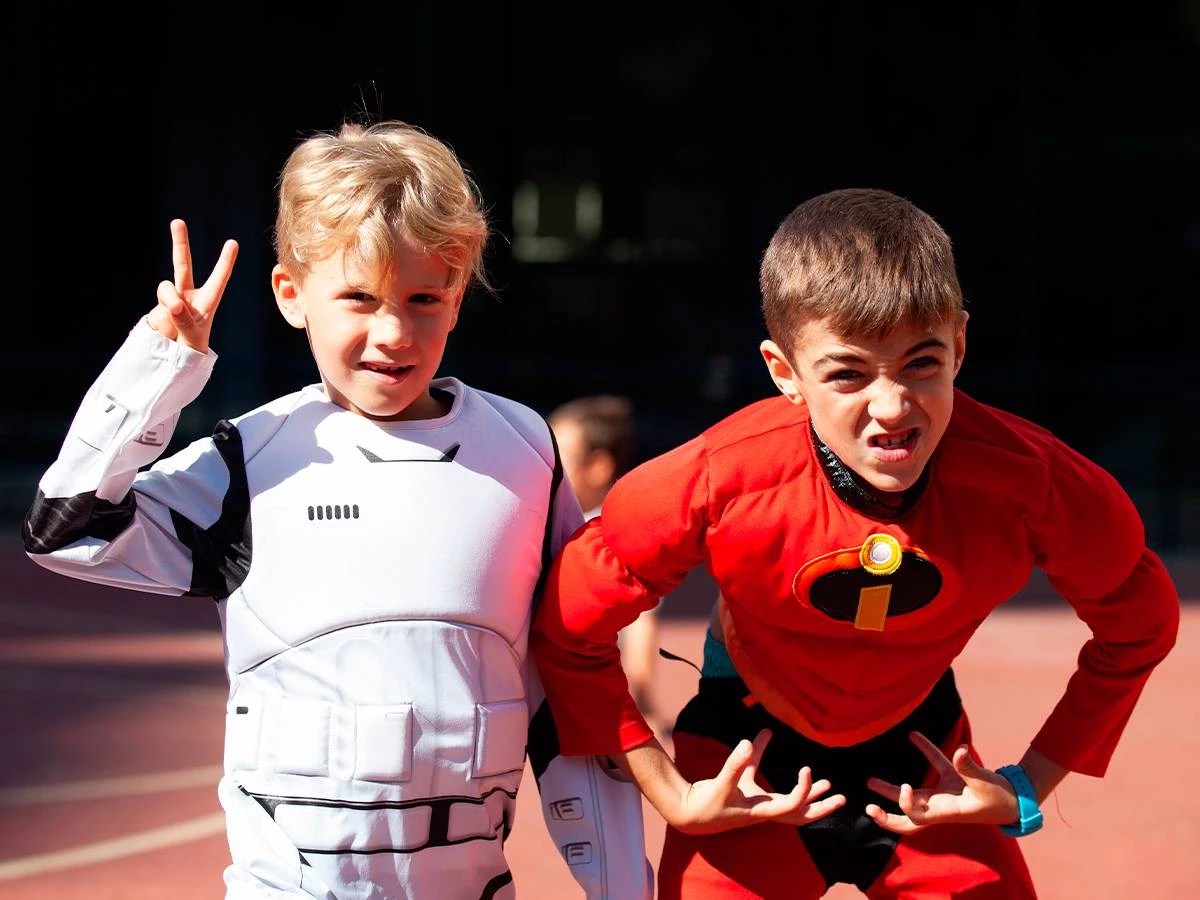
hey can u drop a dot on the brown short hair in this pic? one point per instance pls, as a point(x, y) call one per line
point(861, 259)
point(607, 424)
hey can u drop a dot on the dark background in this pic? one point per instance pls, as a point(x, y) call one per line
point(1057, 144)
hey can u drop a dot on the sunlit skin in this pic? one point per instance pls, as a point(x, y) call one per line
point(882, 405)
point(377, 342)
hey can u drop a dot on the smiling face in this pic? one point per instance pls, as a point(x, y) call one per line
point(377, 343)
point(882, 405)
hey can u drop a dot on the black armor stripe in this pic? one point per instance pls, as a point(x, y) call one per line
point(221, 553)
point(56, 522)
point(548, 537)
point(543, 743)
point(492, 888)
point(439, 818)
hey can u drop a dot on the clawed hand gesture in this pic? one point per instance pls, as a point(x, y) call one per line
point(734, 798)
point(964, 792)
point(184, 312)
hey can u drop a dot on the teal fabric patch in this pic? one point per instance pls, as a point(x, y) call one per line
point(717, 663)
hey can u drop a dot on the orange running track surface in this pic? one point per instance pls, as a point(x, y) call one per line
point(112, 705)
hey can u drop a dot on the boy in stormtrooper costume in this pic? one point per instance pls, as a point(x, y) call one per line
point(375, 545)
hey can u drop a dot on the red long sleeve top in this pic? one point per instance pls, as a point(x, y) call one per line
point(841, 623)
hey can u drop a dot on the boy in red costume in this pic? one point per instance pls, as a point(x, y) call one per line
point(860, 528)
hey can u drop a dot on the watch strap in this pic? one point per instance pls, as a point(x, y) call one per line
point(1027, 804)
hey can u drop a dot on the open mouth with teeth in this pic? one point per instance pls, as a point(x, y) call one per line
point(386, 371)
point(895, 446)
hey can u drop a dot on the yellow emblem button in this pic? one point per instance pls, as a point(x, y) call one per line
point(880, 554)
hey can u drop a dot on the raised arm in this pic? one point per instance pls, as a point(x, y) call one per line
point(97, 515)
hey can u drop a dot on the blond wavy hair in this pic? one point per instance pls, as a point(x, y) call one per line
point(364, 189)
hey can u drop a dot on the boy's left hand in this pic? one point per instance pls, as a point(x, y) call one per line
point(964, 792)
point(185, 312)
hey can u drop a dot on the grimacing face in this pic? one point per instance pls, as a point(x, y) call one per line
point(881, 405)
point(377, 342)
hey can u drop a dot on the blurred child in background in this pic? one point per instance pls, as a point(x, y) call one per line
point(596, 438)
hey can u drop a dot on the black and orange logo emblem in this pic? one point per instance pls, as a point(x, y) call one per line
point(878, 584)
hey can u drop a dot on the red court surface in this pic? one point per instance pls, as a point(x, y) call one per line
point(111, 707)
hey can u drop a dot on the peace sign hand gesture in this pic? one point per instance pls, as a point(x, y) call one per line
point(184, 312)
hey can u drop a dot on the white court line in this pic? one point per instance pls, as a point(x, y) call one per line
point(19, 612)
point(103, 851)
point(105, 686)
point(118, 786)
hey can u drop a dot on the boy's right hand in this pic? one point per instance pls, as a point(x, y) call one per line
point(184, 312)
point(731, 799)
point(734, 798)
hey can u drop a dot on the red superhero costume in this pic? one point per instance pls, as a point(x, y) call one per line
point(842, 618)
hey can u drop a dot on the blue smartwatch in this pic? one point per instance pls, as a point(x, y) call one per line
point(1027, 803)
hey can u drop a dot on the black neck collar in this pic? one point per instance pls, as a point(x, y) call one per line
point(852, 491)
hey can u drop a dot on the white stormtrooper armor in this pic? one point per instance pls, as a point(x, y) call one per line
point(374, 584)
